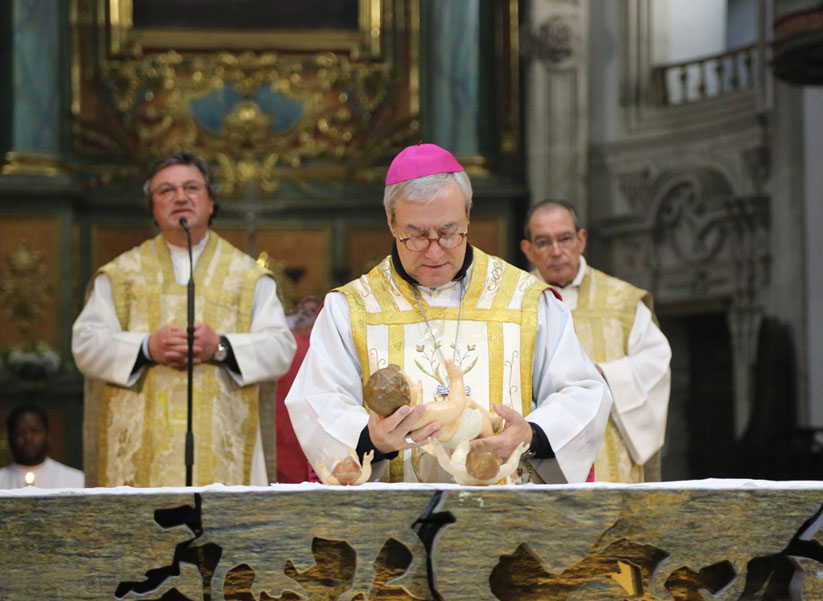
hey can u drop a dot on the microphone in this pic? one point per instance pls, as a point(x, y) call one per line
point(190, 336)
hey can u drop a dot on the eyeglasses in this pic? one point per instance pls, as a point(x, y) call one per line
point(563, 241)
point(418, 244)
point(167, 191)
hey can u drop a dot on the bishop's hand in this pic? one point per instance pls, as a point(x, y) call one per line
point(395, 432)
point(516, 430)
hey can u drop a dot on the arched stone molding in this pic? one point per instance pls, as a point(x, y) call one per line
point(701, 227)
point(688, 214)
point(694, 243)
point(707, 246)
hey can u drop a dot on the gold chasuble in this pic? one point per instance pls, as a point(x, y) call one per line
point(603, 319)
point(491, 338)
point(136, 436)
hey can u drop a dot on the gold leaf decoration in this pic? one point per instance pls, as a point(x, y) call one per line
point(23, 288)
point(346, 117)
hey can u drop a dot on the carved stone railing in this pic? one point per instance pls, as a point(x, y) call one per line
point(731, 539)
point(705, 77)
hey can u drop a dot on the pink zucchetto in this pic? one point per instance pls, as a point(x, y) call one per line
point(420, 160)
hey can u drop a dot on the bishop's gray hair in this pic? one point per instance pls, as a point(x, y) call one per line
point(424, 188)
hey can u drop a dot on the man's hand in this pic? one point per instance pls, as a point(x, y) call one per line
point(392, 433)
point(205, 342)
point(169, 345)
point(516, 430)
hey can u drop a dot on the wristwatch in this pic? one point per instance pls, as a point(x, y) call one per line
point(222, 350)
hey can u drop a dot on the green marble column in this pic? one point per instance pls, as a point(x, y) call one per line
point(33, 108)
point(451, 55)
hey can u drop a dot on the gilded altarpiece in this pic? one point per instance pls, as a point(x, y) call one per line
point(264, 105)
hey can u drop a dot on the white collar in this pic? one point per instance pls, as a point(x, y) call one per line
point(30, 468)
point(449, 287)
point(195, 248)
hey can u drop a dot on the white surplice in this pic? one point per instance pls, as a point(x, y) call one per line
point(48, 474)
point(102, 350)
point(570, 402)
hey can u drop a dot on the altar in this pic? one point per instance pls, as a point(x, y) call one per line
point(687, 541)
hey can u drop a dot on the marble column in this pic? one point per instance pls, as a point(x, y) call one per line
point(451, 51)
point(554, 44)
point(812, 104)
point(36, 65)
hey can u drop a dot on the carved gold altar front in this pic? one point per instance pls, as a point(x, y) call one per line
point(736, 541)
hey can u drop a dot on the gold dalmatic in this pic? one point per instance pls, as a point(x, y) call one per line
point(490, 337)
point(135, 436)
point(603, 320)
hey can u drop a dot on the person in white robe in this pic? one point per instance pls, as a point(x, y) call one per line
point(436, 299)
point(28, 436)
point(616, 325)
point(241, 338)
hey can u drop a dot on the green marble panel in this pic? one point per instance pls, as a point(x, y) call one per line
point(36, 88)
point(451, 56)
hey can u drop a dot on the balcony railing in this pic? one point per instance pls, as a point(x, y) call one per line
point(706, 77)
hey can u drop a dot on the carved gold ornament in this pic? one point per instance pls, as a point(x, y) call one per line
point(314, 112)
point(23, 287)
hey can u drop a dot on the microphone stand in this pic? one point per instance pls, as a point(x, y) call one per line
point(190, 336)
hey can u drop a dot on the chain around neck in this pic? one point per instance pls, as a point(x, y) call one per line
point(428, 325)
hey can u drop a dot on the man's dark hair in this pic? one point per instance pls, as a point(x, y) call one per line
point(550, 203)
point(20, 411)
point(181, 157)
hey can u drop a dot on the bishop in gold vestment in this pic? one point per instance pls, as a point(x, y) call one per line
point(436, 299)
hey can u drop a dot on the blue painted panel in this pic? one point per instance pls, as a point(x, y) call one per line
point(36, 103)
point(455, 66)
point(210, 111)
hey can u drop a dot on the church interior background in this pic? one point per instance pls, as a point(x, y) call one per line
point(688, 133)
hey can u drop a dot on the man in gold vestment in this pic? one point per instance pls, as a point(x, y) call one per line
point(437, 299)
point(130, 341)
point(616, 325)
